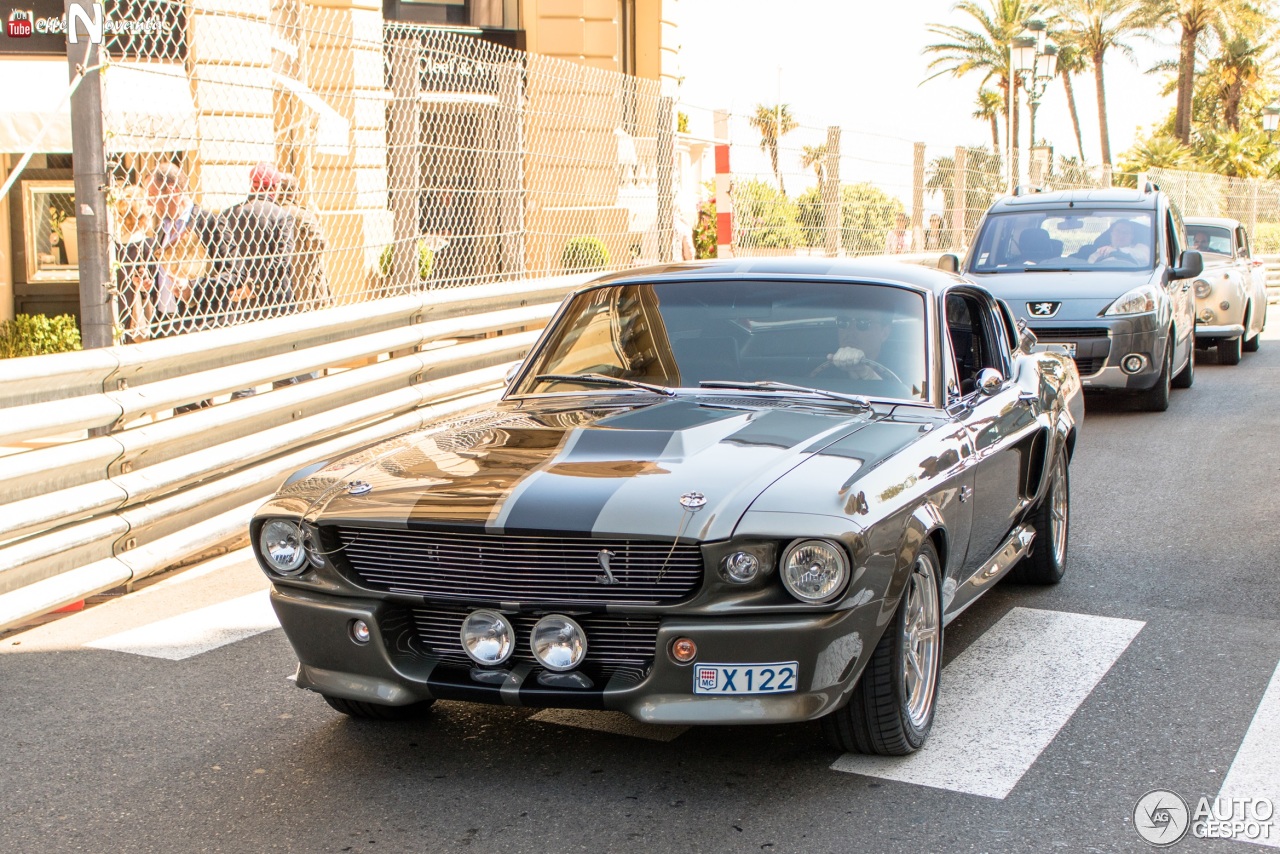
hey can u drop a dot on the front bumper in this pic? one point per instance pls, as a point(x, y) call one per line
point(1230, 330)
point(1098, 357)
point(831, 648)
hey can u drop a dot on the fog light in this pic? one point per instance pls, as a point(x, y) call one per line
point(1206, 315)
point(1224, 305)
point(1133, 363)
point(360, 631)
point(558, 643)
point(740, 567)
point(487, 637)
point(683, 650)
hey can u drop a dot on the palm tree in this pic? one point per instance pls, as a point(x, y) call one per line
point(1240, 154)
point(1158, 152)
point(1238, 70)
point(984, 49)
point(773, 123)
point(990, 105)
point(1071, 62)
point(1193, 18)
point(1097, 27)
point(814, 156)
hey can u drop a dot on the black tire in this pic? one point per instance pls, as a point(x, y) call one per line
point(1251, 345)
point(1048, 558)
point(1229, 350)
point(1185, 377)
point(883, 716)
point(376, 711)
point(1156, 398)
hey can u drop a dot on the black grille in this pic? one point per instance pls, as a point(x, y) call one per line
point(1068, 333)
point(1089, 366)
point(499, 568)
point(615, 644)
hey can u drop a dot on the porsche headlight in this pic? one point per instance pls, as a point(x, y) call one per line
point(1203, 289)
point(280, 544)
point(1137, 301)
point(815, 571)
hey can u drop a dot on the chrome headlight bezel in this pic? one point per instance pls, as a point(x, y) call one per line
point(282, 545)
point(1139, 300)
point(570, 636)
point(499, 631)
point(809, 582)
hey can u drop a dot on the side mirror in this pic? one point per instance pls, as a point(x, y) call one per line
point(1190, 265)
point(990, 380)
point(1026, 338)
point(949, 263)
point(512, 371)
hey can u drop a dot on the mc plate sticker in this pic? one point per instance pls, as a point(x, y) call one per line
point(779, 678)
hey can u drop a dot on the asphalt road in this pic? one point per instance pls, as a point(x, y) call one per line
point(112, 747)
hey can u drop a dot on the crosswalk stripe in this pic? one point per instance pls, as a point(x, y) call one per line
point(1004, 699)
point(1255, 772)
point(611, 722)
point(197, 631)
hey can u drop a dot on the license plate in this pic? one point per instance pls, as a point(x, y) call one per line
point(1065, 349)
point(777, 678)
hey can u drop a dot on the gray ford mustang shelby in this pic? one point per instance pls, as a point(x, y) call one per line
point(729, 492)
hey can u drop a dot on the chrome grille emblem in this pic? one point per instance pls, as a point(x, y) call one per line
point(1043, 309)
point(604, 556)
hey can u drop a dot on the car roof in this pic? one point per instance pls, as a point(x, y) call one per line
point(1223, 221)
point(871, 270)
point(1113, 197)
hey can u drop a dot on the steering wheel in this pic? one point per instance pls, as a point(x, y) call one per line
point(1122, 257)
point(885, 373)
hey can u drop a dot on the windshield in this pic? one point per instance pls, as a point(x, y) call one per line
point(857, 339)
point(1071, 239)
point(1210, 238)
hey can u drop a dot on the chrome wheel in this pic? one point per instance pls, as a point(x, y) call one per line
point(1058, 518)
point(921, 634)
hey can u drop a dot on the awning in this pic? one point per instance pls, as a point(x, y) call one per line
point(333, 132)
point(147, 106)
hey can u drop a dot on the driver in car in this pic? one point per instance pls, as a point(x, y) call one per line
point(1121, 246)
point(860, 338)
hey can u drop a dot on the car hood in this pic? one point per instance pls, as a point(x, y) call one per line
point(618, 468)
point(1094, 286)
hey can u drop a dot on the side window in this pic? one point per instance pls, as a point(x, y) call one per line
point(976, 334)
point(1171, 240)
point(1177, 235)
point(1242, 243)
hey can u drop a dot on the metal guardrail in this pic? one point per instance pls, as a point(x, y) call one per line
point(133, 492)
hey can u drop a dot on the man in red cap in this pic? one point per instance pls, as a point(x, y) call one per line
point(260, 233)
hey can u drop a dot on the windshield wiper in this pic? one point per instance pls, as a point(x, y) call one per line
point(602, 379)
point(767, 385)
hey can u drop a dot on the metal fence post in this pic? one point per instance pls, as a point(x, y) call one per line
point(917, 194)
point(831, 192)
point(960, 199)
point(724, 182)
point(666, 161)
point(404, 158)
point(89, 153)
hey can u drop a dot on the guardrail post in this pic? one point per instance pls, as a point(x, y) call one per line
point(88, 150)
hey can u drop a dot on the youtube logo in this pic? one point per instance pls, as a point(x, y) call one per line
point(19, 25)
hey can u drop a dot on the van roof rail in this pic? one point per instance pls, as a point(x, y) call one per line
point(1027, 189)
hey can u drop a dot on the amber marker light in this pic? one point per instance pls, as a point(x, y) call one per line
point(684, 650)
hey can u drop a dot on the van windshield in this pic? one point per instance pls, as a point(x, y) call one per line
point(1070, 239)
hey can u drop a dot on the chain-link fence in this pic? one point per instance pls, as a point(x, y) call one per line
point(297, 156)
point(275, 156)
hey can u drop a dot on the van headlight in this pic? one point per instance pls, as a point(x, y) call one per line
point(815, 571)
point(1137, 301)
point(280, 542)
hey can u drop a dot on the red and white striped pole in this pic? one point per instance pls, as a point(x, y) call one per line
point(724, 178)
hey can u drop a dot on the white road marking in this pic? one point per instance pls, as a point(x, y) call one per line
point(197, 631)
point(1255, 772)
point(1004, 699)
point(612, 722)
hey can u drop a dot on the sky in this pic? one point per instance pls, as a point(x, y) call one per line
point(860, 64)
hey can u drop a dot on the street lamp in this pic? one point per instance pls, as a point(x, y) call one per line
point(1271, 118)
point(1034, 63)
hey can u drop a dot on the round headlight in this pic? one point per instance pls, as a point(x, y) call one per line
point(280, 542)
point(814, 571)
point(1203, 289)
point(487, 637)
point(740, 567)
point(558, 643)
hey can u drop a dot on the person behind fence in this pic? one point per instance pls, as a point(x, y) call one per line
point(193, 275)
point(935, 239)
point(135, 271)
point(310, 283)
point(260, 234)
point(898, 239)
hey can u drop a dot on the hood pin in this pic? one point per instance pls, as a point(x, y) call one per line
point(359, 487)
point(693, 501)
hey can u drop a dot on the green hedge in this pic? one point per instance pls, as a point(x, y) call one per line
point(425, 257)
point(584, 255)
point(1266, 238)
point(38, 335)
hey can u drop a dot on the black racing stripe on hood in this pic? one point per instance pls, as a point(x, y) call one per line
point(572, 493)
point(781, 429)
